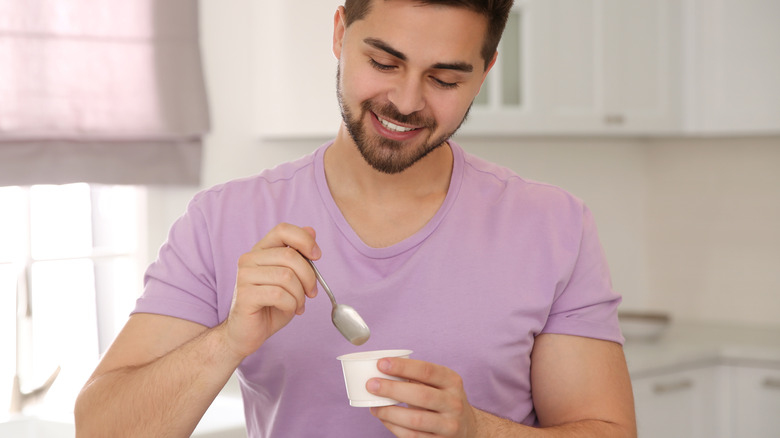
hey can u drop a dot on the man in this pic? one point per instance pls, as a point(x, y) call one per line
point(498, 284)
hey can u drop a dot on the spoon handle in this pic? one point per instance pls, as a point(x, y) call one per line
point(321, 280)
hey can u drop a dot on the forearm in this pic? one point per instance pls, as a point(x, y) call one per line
point(163, 398)
point(491, 426)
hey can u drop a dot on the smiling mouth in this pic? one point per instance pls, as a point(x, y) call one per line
point(392, 126)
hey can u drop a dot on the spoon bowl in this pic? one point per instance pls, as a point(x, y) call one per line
point(350, 324)
point(344, 317)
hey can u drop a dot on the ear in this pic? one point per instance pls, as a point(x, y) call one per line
point(339, 27)
point(490, 66)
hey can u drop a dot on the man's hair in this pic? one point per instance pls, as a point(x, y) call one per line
point(496, 12)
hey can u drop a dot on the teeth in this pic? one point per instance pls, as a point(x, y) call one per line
point(393, 126)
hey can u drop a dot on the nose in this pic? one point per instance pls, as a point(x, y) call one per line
point(407, 95)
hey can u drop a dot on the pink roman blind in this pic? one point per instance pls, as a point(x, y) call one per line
point(104, 91)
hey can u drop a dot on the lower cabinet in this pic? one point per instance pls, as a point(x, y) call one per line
point(678, 404)
point(710, 401)
point(756, 394)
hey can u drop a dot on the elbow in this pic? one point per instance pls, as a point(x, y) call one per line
point(86, 415)
point(81, 416)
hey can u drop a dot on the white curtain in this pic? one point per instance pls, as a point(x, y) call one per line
point(107, 91)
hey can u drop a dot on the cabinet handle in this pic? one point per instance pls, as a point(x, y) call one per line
point(614, 119)
point(665, 388)
point(771, 383)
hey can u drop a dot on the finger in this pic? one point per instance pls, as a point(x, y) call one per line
point(265, 297)
point(284, 234)
point(283, 267)
point(428, 373)
point(401, 421)
point(396, 429)
point(273, 280)
point(287, 257)
point(311, 231)
point(316, 252)
point(412, 393)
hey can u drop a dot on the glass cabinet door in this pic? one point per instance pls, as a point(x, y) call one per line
point(503, 87)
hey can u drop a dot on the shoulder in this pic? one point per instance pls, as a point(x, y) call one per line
point(274, 181)
point(494, 180)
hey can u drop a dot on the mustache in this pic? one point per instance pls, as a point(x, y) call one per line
point(389, 111)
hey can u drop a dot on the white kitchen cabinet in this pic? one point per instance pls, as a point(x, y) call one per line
point(654, 67)
point(731, 66)
point(757, 402)
point(566, 67)
point(580, 67)
point(682, 404)
point(294, 69)
point(713, 401)
point(639, 86)
point(562, 69)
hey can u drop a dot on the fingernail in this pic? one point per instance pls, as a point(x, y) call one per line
point(384, 365)
point(316, 252)
point(372, 385)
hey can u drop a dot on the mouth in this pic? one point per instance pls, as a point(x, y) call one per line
point(394, 131)
point(392, 126)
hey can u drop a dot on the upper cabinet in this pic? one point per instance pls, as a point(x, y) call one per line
point(294, 69)
point(581, 66)
point(565, 67)
point(731, 66)
point(640, 67)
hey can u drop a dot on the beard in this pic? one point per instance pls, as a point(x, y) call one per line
point(384, 154)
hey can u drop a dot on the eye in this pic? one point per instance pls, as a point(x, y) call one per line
point(380, 67)
point(445, 85)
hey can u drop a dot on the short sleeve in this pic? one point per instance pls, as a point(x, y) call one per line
point(181, 282)
point(586, 305)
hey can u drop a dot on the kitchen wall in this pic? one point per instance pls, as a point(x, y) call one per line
point(691, 226)
point(714, 228)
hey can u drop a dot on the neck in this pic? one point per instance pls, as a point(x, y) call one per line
point(350, 175)
point(384, 209)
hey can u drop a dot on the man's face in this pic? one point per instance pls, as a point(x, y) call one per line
point(407, 76)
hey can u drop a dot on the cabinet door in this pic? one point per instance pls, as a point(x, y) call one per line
point(544, 79)
point(679, 404)
point(640, 68)
point(582, 67)
point(294, 92)
point(757, 402)
point(732, 66)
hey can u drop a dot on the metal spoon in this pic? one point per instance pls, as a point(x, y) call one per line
point(344, 317)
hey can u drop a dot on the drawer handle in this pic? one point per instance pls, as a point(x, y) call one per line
point(771, 383)
point(665, 388)
point(614, 119)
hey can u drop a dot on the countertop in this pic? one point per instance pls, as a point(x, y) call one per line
point(685, 345)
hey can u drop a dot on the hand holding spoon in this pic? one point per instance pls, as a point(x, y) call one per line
point(344, 317)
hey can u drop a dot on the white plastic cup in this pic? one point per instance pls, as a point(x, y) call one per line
point(358, 368)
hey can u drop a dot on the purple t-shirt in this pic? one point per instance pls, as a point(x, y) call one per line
point(503, 260)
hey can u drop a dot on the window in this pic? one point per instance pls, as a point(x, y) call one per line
point(70, 271)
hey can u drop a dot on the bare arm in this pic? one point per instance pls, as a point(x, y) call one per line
point(161, 373)
point(582, 385)
point(581, 388)
point(158, 388)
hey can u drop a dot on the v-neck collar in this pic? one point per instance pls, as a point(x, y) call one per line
point(411, 241)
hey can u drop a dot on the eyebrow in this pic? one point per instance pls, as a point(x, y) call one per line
point(459, 66)
point(381, 45)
